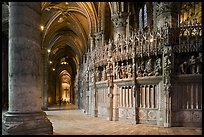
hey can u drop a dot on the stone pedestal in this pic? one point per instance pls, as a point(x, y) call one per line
point(24, 115)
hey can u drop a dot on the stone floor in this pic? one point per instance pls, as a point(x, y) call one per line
point(67, 120)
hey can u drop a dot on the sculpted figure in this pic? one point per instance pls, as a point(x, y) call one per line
point(123, 71)
point(192, 64)
point(199, 64)
point(129, 71)
point(117, 71)
point(183, 67)
point(158, 67)
point(149, 67)
point(140, 70)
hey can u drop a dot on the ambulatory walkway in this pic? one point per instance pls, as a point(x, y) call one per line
point(69, 121)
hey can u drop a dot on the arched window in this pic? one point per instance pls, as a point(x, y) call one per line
point(140, 20)
point(143, 17)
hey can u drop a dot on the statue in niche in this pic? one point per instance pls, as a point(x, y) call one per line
point(98, 75)
point(123, 71)
point(92, 76)
point(109, 48)
point(129, 70)
point(148, 70)
point(158, 67)
point(140, 70)
point(104, 74)
point(192, 64)
point(109, 67)
point(167, 68)
point(117, 71)
point(126, 45)
point(183, 67)
point(199, 64)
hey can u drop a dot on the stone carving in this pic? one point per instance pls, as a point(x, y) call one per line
point(109, 49)
point(158, 68)
point(109, 68)
point(123, 71)
point(98, 75)
point(119, 19)
point(167, 70)
point(148, 70)
point(199, 64)
point(104, 76)
point(117, 71)
point(183, 67)
point(192, 64)
point(140, 70)
point(129, 70)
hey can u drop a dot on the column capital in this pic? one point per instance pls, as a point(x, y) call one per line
point(119, 19)
point(164, 7)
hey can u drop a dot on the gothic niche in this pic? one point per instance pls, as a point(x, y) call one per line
point(149, 66)
point(65, 87)
point(189, 64)
point(123, 69)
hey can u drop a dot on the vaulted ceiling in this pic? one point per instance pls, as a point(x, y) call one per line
point(67, 26)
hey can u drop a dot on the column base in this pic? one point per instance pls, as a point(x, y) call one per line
point(115, 114)
point(44, 108)
point(95, 113)
point(167, 125)
point(26, 124)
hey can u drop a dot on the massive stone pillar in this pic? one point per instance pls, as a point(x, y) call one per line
point(45, 79)
point(165, 12)
point(166, 17)
point(119, 21)
point(24, 115)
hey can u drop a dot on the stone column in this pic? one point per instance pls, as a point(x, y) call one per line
point(124, 97)
point(165, 11)
point(115, 103)
point(135, 91)
point(24, 116)
point(45, 79)
point(94, 99)
point(110, 90)
point(4, 72)
point(92, 42)
point(166, 16)
point(103, 22)
point(127, 96)
point(121, 96)
point(119, 21)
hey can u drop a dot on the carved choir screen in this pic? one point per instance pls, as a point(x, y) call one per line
point(151, 72)
point(188, 68)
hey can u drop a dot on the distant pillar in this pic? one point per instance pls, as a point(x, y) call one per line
point(24, 116)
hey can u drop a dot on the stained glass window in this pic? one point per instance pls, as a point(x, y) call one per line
point(140, 19)
point(145, 15)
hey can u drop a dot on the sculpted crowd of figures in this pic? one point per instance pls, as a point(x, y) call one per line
point(148, 49)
